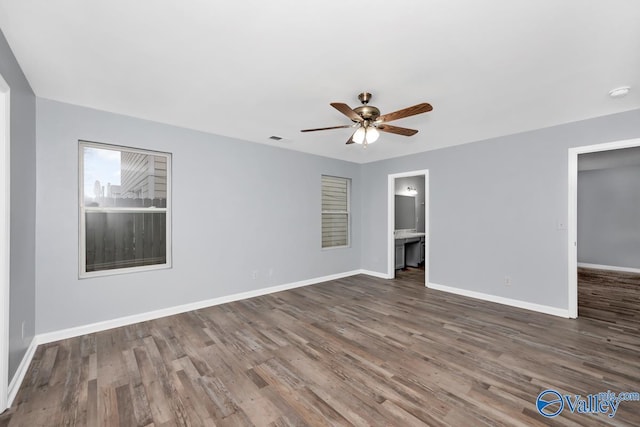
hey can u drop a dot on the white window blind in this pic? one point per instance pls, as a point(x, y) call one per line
point(335, 211)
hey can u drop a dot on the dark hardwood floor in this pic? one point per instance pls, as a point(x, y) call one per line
point(360, 350)
point(612, 297)
point(411, 274)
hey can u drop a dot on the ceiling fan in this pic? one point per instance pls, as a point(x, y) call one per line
point(368, 121)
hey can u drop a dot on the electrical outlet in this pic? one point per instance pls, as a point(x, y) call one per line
point(23, 330)
point(254, 275)
point(507, 280)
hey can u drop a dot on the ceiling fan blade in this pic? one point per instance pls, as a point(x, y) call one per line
point(347, 111)
point(396, 130)
point(332, 127)
point(351, 141)
point(406, 112)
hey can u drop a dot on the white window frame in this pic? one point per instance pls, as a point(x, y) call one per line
point(347, 212)
point(84, 209)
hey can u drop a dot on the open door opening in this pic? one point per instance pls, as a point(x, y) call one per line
point(408, 226)
point(600, 269)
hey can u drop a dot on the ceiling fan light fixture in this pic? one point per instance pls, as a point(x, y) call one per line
point(366, 135)
point(358, 136)
point(372, 134)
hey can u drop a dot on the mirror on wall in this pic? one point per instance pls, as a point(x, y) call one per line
point(405, 212)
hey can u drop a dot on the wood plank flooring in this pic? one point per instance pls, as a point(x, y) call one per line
point(355, 351)
point(411, 274)
point(609, 296)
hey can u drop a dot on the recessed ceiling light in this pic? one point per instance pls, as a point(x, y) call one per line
point(619, 92)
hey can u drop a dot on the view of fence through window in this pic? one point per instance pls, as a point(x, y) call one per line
point(124, 208)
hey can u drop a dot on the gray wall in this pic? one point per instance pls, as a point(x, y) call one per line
point(237, 207)
point(23, 211)
point(494, 209)
point(609, 216)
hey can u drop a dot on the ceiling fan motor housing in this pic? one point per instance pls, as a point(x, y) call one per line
point(367, 112)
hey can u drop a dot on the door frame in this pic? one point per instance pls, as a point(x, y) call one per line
point(391, 221)
point(572, 222)
point(5, 247)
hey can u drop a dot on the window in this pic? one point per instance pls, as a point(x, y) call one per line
point(125, 209)
point(335, 211)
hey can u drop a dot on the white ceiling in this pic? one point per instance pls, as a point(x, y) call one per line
point(251, 69)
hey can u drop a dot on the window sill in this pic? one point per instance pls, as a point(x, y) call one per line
point(336, 247)
point(118, 271)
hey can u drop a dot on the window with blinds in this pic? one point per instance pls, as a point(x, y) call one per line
point(335, 211)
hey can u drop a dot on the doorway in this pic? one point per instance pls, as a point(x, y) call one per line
point(573, 212)
point(421, 220)
point(4, 242)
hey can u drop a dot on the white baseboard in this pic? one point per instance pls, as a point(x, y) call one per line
point(375, 274)
point(609, 267)
point(16, 381)
point(169, 311)
point(502, 300)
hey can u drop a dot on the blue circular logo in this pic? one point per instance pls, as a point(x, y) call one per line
point(550, 403)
